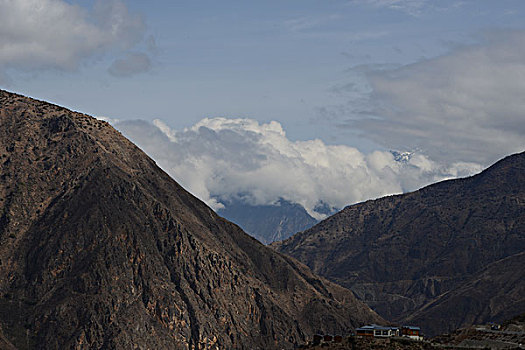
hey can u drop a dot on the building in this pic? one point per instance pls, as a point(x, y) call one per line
point(326, 339)
point(377, 331)
point(411, 332)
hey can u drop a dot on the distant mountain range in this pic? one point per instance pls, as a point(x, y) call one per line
point(281, 220)
point(449, 255)
point(268, 223)
point(101, 249)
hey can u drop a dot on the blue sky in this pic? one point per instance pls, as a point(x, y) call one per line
point(268, 60)
point(443, 78)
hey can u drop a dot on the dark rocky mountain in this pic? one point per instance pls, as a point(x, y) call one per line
point(443, 257)
point(100, 249)
point(268, 223)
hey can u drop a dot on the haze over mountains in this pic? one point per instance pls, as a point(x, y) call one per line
point(99, 248)
point(446, 256)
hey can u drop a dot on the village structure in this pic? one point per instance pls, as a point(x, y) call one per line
point(373, 331)
point(378, 331)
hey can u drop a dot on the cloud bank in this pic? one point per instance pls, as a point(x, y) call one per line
point(43, 34)
point(219, 159)
point(467, 105)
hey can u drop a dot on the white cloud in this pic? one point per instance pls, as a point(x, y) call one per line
point(467, 105)
point(218, 159)
point(42, 34)
point(108, 119)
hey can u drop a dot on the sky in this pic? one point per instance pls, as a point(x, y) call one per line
point(299, 99)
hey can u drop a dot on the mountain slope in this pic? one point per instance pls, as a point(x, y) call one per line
point(400, 253)
point(99, 248)
point(491, 294)
point(268, 223)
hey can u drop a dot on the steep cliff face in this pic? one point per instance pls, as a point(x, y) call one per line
point(99, 248)
point(433, 257)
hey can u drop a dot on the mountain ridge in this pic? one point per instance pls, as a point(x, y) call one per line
point(99, 248)
point(399, 253)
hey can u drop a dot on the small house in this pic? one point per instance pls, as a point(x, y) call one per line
point(377, 331)
point(411, 332)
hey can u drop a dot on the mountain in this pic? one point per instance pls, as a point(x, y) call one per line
point(268, 223)
point(101, 249)
point(443, 257)
point(491, 294)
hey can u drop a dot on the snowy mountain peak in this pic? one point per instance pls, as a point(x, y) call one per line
point(403, 157)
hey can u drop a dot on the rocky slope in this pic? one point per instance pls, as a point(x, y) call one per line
point(510, 335)
point(492, 294)
point(268, 223)
point(442, 257)
point(100, 249)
